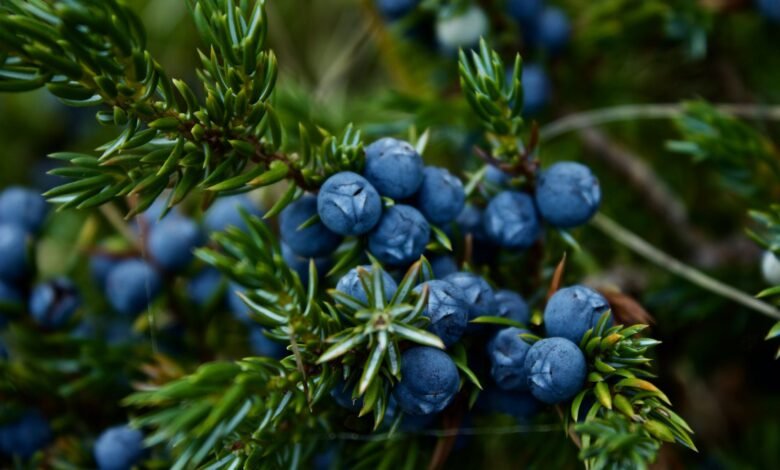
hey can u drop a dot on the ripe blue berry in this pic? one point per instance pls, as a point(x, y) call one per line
point(226, 212)
point(536, 89)
point(350, 284)
point(496, 177)
point(461, 29)
point(53, 303)
point(300, 264)
point(131, 286)
point(441, 197)
point(400, 237)
point(394, 168)
point(511, 220)
point(512, 306)
point(348, 204)
point(205, 288)
point(443, 266)
point(262, 345)
point(447, 311)
point(507, 351)
point(395, 9)
point(567, 194)
point(119, 448)
point(313, 241)
point(572, 311)
point(552, 29)
point(99, 267)
point(172, 243)
point(525, 11)
point(14, 253)
point(770, 9)
point(25, 436)
point(429, 381)
point(23, 207)
point(556, 370)
point(477, 293)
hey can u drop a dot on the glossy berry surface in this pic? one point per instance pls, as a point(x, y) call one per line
point(476, 291)
point(572, 311)
point(119, 448)
point(53, 303)
point(536, 89)
point(393, 167)
point(507, 351)
point(400, 237)
point(348, 204)
point(429, 381)
point(226, 212)
point(314, 241)
point(350, 284)
point(567, 194)
point(511, 305)
point(23, 207)
point(441, 197)
point(131, 286)
point(14, 254)
point(25, 435)
point(556, 370)
point(446, 309)
point(511, 220)
point(172, 243)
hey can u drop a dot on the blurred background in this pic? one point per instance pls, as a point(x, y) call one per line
point(342, 63)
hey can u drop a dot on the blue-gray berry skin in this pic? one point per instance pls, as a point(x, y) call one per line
point(393, 167)
point(567, 194)
point(471, 221)
point(443, 266)
point(99, 267)
point(447, 311)
point(496, 176)
point(511, 305)
point(525, 11)
point(507, 351)
point(172, 243)
point(395, 9)
point(226, 212)
point(350, 284)
point(536, 89)
point(314, 241)
point(262, 345)
point(300, 264)
point(205, 288)
point(556, 370)
point(25, 436)
point(119, 448)
point(131, 286)
point(511, 220)
point(572, 311)
point(53, 303)
point(400, 237)
point(552, 30)
point(14, 253)
point(429, 381)
point(477, 293)
point(348, 204)
point(23, 207)
point(441, 197)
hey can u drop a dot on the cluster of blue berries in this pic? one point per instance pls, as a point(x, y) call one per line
point(349, 204)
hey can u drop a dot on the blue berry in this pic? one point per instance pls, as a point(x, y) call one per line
point(525, 11)
point(496, 176)
point(119, 448)
point(394, 168)
point(14, 253)
point(25, 436)
point(313, 241)
point(205, 288)
point(23, 207)
point(348, 204)
point(553, 29)
point(556, 370)
point(471, 222)
point(262, 345)
point(226, 212)
point(507, 351)
point(461, 29)
point(172, 243)
point(770, 9)
point(99, 267)
point(567, 194)
point(301, 265)
point(131, 286)
point(350, 284)
point(443, 266)
point(53, 303)
point(395, 9)
point(429, 381)
point(536, 89)
point(511, 220)
point(572, 311)
point(447, 311)
point(400, 237)
point(512, 306)
point(477, 293)
point(441, 197)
